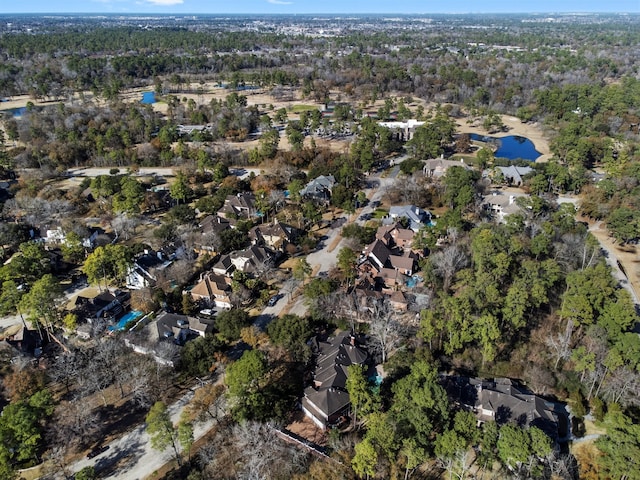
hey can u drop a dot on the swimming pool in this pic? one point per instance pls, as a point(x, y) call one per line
point(128, 317)
point(148, 98)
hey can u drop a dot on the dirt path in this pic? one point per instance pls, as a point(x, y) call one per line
point(620, 256)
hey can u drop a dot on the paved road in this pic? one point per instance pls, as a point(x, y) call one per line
point(242, 172)
point(131, 457)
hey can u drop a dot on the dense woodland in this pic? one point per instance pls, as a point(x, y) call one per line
point(531, 299)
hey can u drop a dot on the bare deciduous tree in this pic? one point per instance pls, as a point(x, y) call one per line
point(560, 344)
point(386, 331)
point(447, 262)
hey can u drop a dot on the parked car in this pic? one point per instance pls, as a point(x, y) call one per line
point(97, 451)
point(273, 300)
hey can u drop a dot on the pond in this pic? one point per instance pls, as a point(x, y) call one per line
point(148, 98)
point(511, 147)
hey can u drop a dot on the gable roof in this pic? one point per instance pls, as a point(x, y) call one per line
point(378, 252)
point(437, 167)
point(330, 376)
point(250, 258)
point(404, 262)
point(417, 216)
point(241, 204)
point(504, 401)
point(320, 186)
point(214, 224)
point(210, 285)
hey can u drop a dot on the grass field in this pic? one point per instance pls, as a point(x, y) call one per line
point(303, 108)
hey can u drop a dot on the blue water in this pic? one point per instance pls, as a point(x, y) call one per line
point(511, 147)
point(132, 315)
point(148, 98)
point(18, 112)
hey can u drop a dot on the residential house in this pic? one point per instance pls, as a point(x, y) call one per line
point(326, 401)
point(93, 305)
point(388, 267)
point(241, 205)
point(437, 167)
point(27, 342)
point(214, 290)
point(399, 301)
point(319, 189)
point(145, 269)
point(504, 401)
point(276, 236)
point(57, 236)
point(499, 204)
point(162, 337)
point(224, 266)
point(54, 236)
point(511, 175)
point(416, 216)
point(181, 328)
point(251, 260)
point(210, 228)
point(395, 235)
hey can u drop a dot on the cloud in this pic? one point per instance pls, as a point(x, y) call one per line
point(279, 2)
point(164, 3)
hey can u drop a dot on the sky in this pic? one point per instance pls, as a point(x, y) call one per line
point(315, 6)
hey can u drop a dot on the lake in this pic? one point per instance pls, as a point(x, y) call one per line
point(511, 147)
point(148, 98)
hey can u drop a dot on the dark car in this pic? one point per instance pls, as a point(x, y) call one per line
point(273, 300)
point(97, 451)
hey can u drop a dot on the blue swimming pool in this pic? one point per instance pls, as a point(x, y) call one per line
point(148, 98)
point(128, 317)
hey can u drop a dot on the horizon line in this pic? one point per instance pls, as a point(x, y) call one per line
point(549, 12)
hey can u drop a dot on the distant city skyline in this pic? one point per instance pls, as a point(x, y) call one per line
point(325, 7)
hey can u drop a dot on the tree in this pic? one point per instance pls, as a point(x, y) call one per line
point(87, 473)
point(301, 270)
point(161, 430)
point(229, 323)
point(41, 302)
point(108, 263)
point(10, 297)
point(130, 196)
point(365, 459)
point(386, 330)
point(623, 223)
point(450, 448)
point(31, 262)
point(430, 139)
point(514, 446)
point(620, 447)
point(347, 262)
point(72, 249)
point(245, 377)
point(208, 401)
point(420, 406)
point(360, 395)
point(21, 429)
point(291, 332)
point(180, 190)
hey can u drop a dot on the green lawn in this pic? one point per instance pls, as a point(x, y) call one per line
point(379, 213)
point(303, 108)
